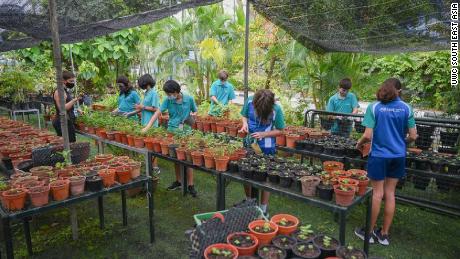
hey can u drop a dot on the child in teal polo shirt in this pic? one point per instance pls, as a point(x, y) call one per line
point(151, 101)
point(128, 98)
point(181, 108)
point(221, 92)
point(344, 102)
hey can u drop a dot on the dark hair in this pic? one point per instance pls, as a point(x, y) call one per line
point(66, 75)
point(223, 75)
point(345, 83)
point(263, 104)
point(146, 80)
point(125, 81)
point(171, 87)
point(388, 91)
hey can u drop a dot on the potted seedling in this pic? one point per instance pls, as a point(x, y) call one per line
point(285, 242)
point(344, 194)
point(265, 231)
point(222, 160)
point(309, 184)
point(325, 190)
point(271, 252)
point(245, 243)
point(287, 223)
point(306, 250)
point(260, 173)
point(60, 189)
point(349, 252)
point(304, 233)
point(220, 251)
point(274, 176)
point(286, 179)
point(327, 244)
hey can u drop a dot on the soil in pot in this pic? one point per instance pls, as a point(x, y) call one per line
point(94, 183)
point(304, 234)
point(233, 166)
point(14, 198)
point(77, 185)
point(39, 196)
point(344, 194)
point(221, 251)
point(245, 243)
point(139, 142)
point(306, 250)
point(265, 231)
point(327, 244)
point(60, 189)
point(274, 177)
point(309, 184)
point(286, 179)
point(349, 252)
point(287, 224)
point(285, 242)
point(325, 191)
point(247, 172)
point(260, 174)
point(330, 166)
point(271, 252)
point(107, 176)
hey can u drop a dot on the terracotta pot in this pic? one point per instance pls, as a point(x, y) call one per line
point(199, 125)
point(60, 189)
point(281, 140)
point(242, 134)
point(264, 238)
point(206, 126)
point(117, 136)
point(21, 181)
point(357, 172)
point(363, 186)
point(130, 140)
point(102, 158)
point(344, 198)
point(208, 250)
point(39, 196)
point(77, 185)
point(330, 166)
point(135, 169)
point(124, 138)
point(188, 156)
point(139, 142)
point(213, 127)
point(14, 199)
point(209, 161)
point(250, 250)
point(148, 141)
point(232, 130)
point(309, 184)
point(91, 130)
point(31, 185)
point(282, 229)
point(291, 139)
point(346, 180)
point(156, 145)
point(164, 147)
point(110, 135)
point(41, 171)
point(123, 174)
point(107, 176)
point(103, 133)
point(197, 157)
point(222, 163)
point(180, 153)
point(220, 127)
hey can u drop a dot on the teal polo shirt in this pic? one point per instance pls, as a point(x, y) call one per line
point(126, 102)
point(151, 99)
point(178, 112)
point(223, 92)
point(343, 105)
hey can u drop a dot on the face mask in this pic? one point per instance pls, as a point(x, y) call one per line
point(70, 85)
point(172, 97)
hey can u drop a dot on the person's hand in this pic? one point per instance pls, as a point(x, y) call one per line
point(144, 130)
point(244, 128)
point(139, 107)
point(259, 135)
point(359, 146)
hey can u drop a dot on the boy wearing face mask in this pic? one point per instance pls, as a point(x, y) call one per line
point(128, 98)
point(221, 92)
point(151, 100)
point(69, 83)
point(181, 108)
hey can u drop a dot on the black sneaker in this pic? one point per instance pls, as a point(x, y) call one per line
point(383, 239)
point(192, 191)
point(174, 186)
point(359, 232)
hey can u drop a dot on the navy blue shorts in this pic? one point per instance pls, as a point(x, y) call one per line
point(379, 168)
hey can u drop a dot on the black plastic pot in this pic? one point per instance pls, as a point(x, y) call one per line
point(449, 139)
point(233, 166)
point(453, 168)
point(259, 176)
point(274, 177)
point(300, 145)
point(344, 252)
point(296, 251)
point(285, 180)
point(438, 166)
point(326, 123)
point(319, 148)
point(172, 150)
point(325, 192)
point(328, 150)
point(423, 164)
point(297, 183)
point(94, 183)
point(359, 127)
point(326, 252)
point(420, 182)
point(276, 241)
point(309, 145)
point(443, 184)
point(246, 172)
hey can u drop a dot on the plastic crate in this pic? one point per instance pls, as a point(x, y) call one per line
point(199, 218)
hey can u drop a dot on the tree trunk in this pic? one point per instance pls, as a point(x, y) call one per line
point(270, 72)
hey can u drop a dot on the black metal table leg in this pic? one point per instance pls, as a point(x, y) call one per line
point(183, 174)
point(8, 238)
point(255, 194)
point(343, 224)
point(151, 208)
point(100, 203)
point(367, 228)
point(220, 197)
point(26, 225)
point(148, 164)
point(123, 208)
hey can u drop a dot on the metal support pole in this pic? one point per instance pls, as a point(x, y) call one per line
point(123, 208)
point(8, 238)
point(367, 228)
point(100, 203)
point(27, 236)
point(343, 225)
point(151, 208)
point(246, 54)
point(183, 174)
point(74, 222)
point(220, 195)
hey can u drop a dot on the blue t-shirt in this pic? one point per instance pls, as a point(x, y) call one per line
point(126, 102)
point(276, 120)
point(151, 99)
point(223, 92)
point(390, 122)
point(178, 112)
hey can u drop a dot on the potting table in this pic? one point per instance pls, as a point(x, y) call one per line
point(314, 201)
point(25, 215)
